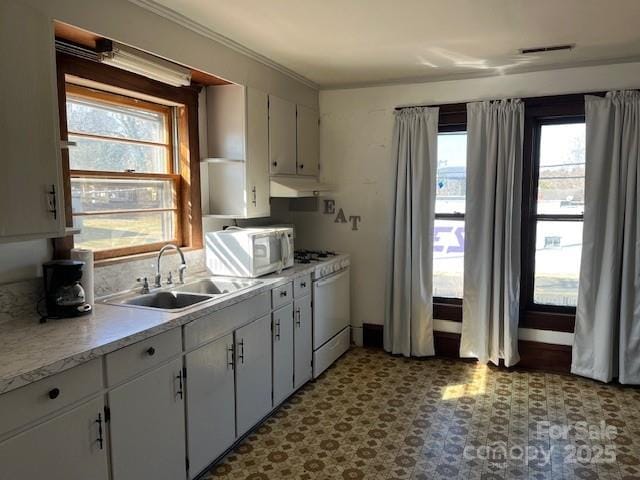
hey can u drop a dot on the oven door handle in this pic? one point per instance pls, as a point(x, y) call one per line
point(332, 278)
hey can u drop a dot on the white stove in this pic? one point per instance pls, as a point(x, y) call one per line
point(331, 306)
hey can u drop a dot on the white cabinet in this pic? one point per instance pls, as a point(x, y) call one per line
point(308, 141)
point(147, 426)
point(29, 126)
point(282, 136)
point(211, 427)
point(282, 332)
point(253, 373)
point(235, 170)
point(302, 335)
point(71, 446)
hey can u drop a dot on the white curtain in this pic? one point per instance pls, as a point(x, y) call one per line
point(607, 335)
point(491, 289)
point(408, 327)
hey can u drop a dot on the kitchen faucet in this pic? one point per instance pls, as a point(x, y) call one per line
point(181, 268)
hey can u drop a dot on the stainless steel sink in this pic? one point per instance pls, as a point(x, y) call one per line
point(209, 286)
point(162, 300)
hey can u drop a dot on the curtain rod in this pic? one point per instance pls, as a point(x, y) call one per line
point(462, 107)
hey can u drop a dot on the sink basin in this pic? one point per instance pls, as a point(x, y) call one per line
point(216, 286)
point(166, 300)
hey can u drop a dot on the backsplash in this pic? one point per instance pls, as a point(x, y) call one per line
point(18, 300)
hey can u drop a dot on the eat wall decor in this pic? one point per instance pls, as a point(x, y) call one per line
point(330, 209)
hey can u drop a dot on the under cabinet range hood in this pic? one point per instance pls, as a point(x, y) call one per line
point(298, 187)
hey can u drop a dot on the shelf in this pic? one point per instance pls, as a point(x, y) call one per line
point(230, 217)
point(221, 160)
point(72, 231)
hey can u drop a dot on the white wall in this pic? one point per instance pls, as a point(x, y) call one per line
point(355, 136)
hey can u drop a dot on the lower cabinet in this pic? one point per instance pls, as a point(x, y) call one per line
point(282, 333)
point(211, 426)
point(253, 373)
point(147, 426)
point(72, 446)
point(302, 341)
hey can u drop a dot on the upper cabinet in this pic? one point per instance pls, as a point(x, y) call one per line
point(293, 139)
point(235, 170)
point(29, 126)
point(308, 141)
point(282, 136)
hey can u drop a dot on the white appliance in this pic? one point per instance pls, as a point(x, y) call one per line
point(248, 252)
point(331, 312)
point(297, 187)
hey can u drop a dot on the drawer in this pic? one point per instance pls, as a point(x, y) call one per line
point(222, 322)
point(31, 402)
point(330, 352)
point(281, 295)
point(129, 361)
point(302, 286)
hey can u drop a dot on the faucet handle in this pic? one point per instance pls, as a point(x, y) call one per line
point(145, 284)
point(170, 278)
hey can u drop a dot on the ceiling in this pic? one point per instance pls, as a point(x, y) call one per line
point(357, 42)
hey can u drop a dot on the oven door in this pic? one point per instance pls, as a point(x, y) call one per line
point(331, 308)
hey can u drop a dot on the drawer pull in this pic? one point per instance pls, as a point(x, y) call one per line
point(100, 437)
point(303, 284)
point(54, 393)
point(151, 351)
point(283, 293)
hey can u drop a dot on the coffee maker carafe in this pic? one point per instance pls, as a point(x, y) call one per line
point(64, 296)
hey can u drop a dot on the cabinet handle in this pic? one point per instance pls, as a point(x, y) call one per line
point(298, 317)
point(301, 166)
point(53, 203)
point(151, 351)
point(303, 284)
point(255, 197)
point(180, 389)
point(230, 353)
point(283, 293)
point(54, 393)
point(277, 324)
point(100, 437)
point(241, 354)
point(275, 164)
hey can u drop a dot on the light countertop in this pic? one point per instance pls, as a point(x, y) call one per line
point(30, 351)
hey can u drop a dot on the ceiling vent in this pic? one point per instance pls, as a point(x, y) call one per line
point(552, 48)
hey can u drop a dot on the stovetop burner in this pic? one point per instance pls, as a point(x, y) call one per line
point(308, 256)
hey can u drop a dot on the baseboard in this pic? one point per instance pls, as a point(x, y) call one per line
point(533, 355)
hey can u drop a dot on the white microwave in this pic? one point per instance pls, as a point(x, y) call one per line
point(248, 252)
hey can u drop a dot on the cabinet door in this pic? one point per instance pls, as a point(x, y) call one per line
point(282, 136)
point(29, 126)
point(147, 426)
point(303, 347)
point(211, 427)
point(282, 332)
point(308, 141)
point(64, 448)
point(257, 166)
point(253, 373)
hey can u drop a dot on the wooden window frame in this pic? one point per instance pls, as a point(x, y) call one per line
point(187, 179)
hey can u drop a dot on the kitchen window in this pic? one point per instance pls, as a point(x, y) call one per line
point(131, 171)
point(124, 186)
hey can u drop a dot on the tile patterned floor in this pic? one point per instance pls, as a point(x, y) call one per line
point(374, 416)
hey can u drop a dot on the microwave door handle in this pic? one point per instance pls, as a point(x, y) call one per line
point(287, 252)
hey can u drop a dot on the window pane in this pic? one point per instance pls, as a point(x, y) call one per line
point(451, 174)
point(448, 258)
point(102, 118)
point(558, 251)
point(110, 156)
point(105, 232)
point(561, 182)
point(103, 195)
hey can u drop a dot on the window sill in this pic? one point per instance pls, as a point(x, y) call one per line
point(140, 256)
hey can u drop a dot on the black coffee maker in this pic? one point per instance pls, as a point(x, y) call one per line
point(64, 296)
